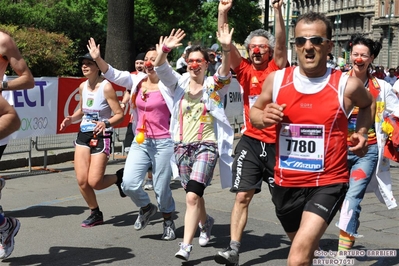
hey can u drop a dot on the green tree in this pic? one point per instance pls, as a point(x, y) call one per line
point(47, 54)
point(198, 18)
point(78, 20)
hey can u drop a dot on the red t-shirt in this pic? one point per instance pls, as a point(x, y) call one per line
point(251, 81)
point(311, 146)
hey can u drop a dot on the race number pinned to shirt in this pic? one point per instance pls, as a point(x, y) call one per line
point(87, 123)
point(301, 147)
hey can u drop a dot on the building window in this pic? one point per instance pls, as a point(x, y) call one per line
point(382, 9)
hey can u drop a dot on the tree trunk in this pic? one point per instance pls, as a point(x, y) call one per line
point(119, 49)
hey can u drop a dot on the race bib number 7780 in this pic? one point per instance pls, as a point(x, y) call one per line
point(301, 147)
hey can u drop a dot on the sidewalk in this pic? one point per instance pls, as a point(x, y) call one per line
point(50, 208)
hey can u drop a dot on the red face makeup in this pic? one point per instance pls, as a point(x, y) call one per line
point(148, 64)
point(359, 61)
point(195, 63)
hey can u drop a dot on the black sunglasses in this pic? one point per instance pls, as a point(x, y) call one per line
point(315, 40)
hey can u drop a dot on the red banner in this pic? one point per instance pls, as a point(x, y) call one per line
point(68, 102)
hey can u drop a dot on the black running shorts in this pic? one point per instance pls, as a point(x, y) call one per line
point(104, 142)
point(290, 203)
point(253, 163)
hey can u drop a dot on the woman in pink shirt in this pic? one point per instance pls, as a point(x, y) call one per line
point(151, 112)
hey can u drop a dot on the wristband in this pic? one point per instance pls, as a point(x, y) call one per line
point(166, 49)
point(4, 85)
point(226, 51)
point(107, 123)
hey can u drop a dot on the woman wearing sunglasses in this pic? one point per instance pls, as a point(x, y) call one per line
point(362, 53)
point(200, 128)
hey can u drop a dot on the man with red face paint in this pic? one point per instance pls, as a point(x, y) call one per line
point(255, 153)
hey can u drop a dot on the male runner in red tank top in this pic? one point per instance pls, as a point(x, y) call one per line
point(310, 105)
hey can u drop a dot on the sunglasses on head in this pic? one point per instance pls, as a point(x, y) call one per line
point(315, 40)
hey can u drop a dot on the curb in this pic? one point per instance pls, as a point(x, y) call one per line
point(38, 159)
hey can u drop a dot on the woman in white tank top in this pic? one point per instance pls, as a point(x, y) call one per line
point(98, 101)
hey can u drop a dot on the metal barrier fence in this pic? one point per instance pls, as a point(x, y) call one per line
point(66, 141)
point(54, 142)
point(15, 146)
point(120, 134)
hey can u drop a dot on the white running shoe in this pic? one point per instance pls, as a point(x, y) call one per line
point(7, 237)
point(169, 230)
point(205, 231)
point(144, 218)
point(228, 257)
point(184, 251)
point(148, 185)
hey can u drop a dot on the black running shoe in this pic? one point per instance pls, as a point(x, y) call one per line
point(95, 218)
point(118, 183)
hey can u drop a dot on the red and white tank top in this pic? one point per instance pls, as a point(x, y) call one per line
point(311, 146)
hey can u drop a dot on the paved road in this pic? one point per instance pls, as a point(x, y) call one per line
point(50, 208)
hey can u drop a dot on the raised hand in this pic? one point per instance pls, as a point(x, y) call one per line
point(159, 45)
point(224, 36)
point(94, 49)
point(174, 39)
point(277, 3)
point(225, 5)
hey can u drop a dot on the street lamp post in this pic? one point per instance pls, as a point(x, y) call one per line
point(337, 22)
point(389, 33)
point(287, 19)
